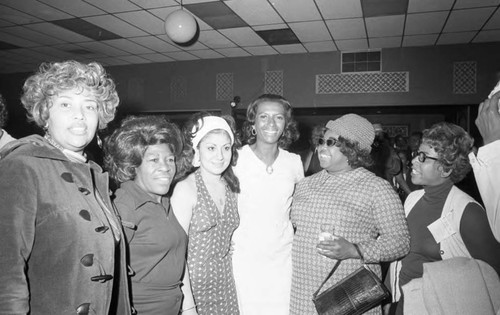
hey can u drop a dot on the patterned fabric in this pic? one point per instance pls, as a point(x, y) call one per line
point(363, 208)
point(209, 256)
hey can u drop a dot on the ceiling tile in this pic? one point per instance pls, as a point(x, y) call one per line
point(455, 38)
point(86, 29)
point(57, 32)
point(111, 61)
point(103, 48)
point(31, 35)
point(297, 10)
point(7, 46)
point(4, 23)
point(196, 1)
point(128, 46)
point(144, 20)
point(385, 42)
point(216, 14)
point(195, 46)
point(154, 43)
point(149, 4)
point(279, 37)
point(114, 6)
point(134, 59)
point(233, 52)
point(493, 22)
point(462, 4)
point(352, 44)
point(311, 31)
point(374, 8)
point(475, 19)
point(243, 36)
point(320, 46)
point(255, 12)
point(181, 55)
point(261, 50)
point(206, 54)
point(425, 23)
point(75, 8)
point(38, 9)
point(340, 9)
point(429, 5)
point(214, 39)
point(487, 36)
point(419, 40)
point(56, 52)
point(290, 49)
point(384, 26)
point(347, 29)
point(15, 16)
point(115, 25)
point(157, 57)
point(15, 40)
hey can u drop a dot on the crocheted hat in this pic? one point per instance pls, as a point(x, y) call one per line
point(355, 128)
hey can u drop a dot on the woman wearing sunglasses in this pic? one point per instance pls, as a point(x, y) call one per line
point(360, 211)
point(444, 222)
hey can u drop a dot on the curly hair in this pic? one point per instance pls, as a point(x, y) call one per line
point(193, 124)
point(3, 112)
point(290, 133)
point(453, 145)
point(53, 78)
point(356, 157)
point(124, 149)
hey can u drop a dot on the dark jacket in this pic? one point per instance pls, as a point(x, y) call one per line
point(55, 238)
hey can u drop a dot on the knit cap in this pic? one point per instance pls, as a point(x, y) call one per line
point(354, 128)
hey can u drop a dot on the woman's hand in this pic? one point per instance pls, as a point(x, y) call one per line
point(339, 248)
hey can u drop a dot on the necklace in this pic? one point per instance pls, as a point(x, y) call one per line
point(269, 167)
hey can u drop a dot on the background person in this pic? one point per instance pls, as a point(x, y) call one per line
point(267, 173)
point(206, 205)
point(486, 164)
point(444, 222)
point(62, 244)
point(4, 115)
point(144, 155)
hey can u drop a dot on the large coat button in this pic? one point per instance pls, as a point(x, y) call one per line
point(68, 177)
point(84, 214)
point(87, 260)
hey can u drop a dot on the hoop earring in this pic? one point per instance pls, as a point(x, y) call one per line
point(98, 139)
point(253, 132)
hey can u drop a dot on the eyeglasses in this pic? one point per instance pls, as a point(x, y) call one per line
point(330, 142)
point(421, 157)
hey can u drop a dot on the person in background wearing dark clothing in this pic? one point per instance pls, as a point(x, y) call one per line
point(144, 155)
point(62, 249)
point(4, 136)
point(444, 222)
point(311, 160)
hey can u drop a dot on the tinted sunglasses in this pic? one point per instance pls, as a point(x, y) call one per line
point(421, 157)
point(330, 142)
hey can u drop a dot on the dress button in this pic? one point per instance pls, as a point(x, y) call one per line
point(83, 309)
point(84, 214)
point(87, 260)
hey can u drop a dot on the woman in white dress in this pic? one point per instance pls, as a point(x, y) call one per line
point(262, 261)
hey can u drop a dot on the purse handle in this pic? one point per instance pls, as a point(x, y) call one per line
point(335, 268)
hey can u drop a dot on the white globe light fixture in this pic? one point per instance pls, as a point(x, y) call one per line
point(180, 26)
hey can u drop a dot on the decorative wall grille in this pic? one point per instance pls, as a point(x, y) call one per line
point(178, 88)
point(464, 77)
point(224, 87)
point(273, 82)
point(372, 82)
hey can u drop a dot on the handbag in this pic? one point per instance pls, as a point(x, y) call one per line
point(353, 295)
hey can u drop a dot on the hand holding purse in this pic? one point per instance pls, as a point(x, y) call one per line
point(353, 295)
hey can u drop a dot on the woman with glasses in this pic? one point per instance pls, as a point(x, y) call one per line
point(358, 214)
point(444, 222)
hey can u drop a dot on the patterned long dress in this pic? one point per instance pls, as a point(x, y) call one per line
point(209, 256)
point(363, 208)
